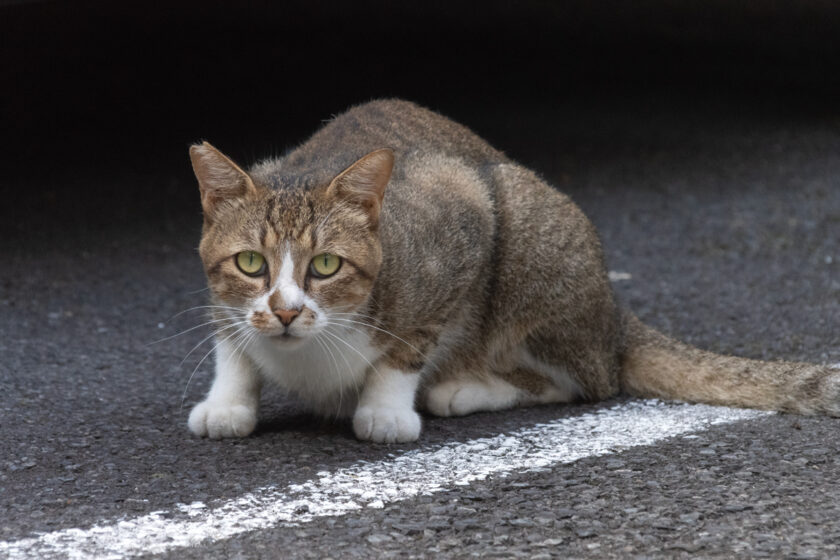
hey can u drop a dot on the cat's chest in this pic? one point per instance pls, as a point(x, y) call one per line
point(333, 364)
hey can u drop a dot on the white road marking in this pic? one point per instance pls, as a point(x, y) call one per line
point(373, 484)
point(616, 276)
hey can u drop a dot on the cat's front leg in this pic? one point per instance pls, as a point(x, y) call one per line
point(386, 407)
point(230, 409)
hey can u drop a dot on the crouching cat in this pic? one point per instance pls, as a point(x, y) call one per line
point(396, 260)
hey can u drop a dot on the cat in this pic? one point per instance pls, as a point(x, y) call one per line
point(397, 261)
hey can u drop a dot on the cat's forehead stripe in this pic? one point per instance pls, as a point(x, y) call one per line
point(269, 236)
point(288, 216)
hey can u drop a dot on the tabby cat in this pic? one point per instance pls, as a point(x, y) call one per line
point(396, 260)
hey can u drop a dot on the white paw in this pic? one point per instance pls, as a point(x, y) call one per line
point(459, 398)
point(222, 420)
point(386, 425)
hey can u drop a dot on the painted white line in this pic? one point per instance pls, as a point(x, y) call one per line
point(372, 484)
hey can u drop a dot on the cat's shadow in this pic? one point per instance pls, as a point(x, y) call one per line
point(303, 424)
point(289, 420)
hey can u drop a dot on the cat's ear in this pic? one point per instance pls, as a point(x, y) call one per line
point(364, 182)
point(219, 179)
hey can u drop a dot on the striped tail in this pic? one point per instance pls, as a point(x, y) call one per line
point(654, 365)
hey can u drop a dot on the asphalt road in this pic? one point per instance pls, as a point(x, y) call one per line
point(724, 218)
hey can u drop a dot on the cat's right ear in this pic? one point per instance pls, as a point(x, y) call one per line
point(219, 179)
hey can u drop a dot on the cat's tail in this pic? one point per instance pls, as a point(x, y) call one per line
point(654, 365)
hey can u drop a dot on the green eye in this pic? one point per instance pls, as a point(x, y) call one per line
point(251, 263)
point(325, 264)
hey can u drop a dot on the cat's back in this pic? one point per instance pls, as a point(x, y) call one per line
point(402, 126)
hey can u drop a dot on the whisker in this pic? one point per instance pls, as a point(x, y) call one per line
point(195, 327)
point(240, 330)
point(197, 307)
point(389, 333)
point(184, 395)
point(347, 362)
point(327, 350)
point(211, 335)
point(241, 344)
point(198, 291)
point(343, 357)
point(356, 313)
point(353, 348)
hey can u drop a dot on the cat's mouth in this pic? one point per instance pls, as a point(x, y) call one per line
point(286, 338)
point(287, 341)
point(285, 335)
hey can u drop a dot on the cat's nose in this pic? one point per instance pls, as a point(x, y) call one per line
point(286, 316)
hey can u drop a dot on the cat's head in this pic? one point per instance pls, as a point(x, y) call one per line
point(286, 263)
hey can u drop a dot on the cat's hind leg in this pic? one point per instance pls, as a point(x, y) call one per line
point(465, 396)
point(525, 382)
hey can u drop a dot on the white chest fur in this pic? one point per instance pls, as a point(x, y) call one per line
point(327, 373)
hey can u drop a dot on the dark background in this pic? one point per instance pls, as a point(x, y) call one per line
point(101, 99)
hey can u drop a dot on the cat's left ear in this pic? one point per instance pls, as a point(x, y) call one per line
point(220, 180)
point(364, 182)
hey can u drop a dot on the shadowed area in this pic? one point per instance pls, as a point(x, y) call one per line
point(102, 99)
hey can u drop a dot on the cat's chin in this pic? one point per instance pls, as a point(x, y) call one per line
point(287, 341)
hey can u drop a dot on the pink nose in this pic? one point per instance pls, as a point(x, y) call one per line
point(286, 316)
